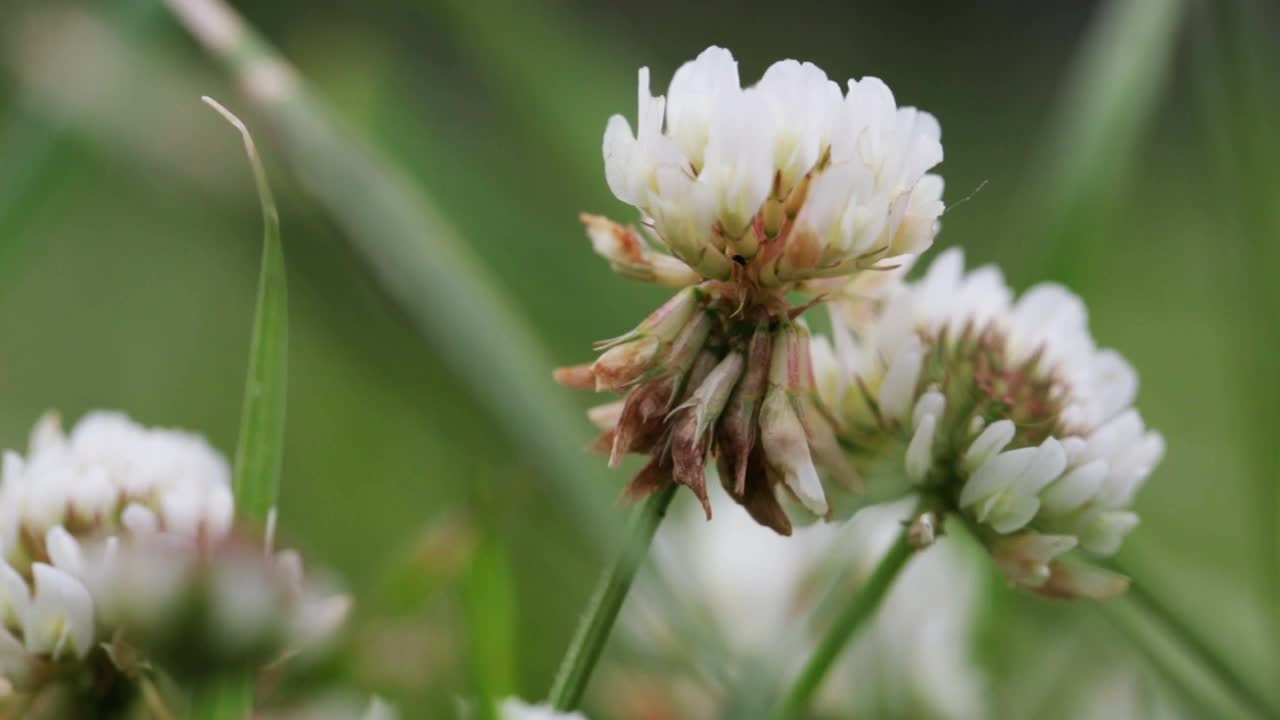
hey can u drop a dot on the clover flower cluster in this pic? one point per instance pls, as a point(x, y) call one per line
point(1002, 410)
point(746, 195)
point(118, 549)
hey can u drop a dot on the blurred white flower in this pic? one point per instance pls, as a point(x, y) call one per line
point(764, 601)
point(516, 709)
point(109, 471)
point(1005, 410)
point(119, 534)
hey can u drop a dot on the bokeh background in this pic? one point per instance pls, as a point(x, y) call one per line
point(1124, 148)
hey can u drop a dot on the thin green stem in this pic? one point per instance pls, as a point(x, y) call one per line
point(846, 625)
point(602, 610)
point(1206, 657)
point(228, 698)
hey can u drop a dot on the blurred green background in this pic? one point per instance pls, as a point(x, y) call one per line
point(1126, 149)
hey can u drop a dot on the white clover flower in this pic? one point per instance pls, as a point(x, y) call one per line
point(790, 178)
point(1004, 410)
point(517, 709)
point(110, 471)
point(746, 195)
point(765, 601)
point(109, 532)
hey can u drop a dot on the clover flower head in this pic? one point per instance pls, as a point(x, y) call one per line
point(111, 533)
point(748, 194)
point(1003, 410)
point(786, 180)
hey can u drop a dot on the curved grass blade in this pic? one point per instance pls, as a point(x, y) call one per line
point(260, 449)
point(419, 260)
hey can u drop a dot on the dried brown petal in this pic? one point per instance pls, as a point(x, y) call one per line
point(654, 476)
point(578, 377)
point(758, 497)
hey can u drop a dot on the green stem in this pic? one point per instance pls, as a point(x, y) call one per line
point(602, 610)
point(226, 699)
point(855, 614)
point(1191, 643)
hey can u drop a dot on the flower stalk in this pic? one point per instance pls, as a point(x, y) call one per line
point(602, 610)
point(846, 625)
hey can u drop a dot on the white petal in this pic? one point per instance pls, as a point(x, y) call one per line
point(697, 97)
point(379, 709)
point(997, 475)
point(930, 403)
point(1075, 488)
point(1049, 463)
point(898, 390)
point(139, 519)
point(64, 551)
point(1102, 533)
point(993, 439)
point(61, 619)
point(15, 598)
point(623, 163)
point(1114, 383)
point(1011, 512)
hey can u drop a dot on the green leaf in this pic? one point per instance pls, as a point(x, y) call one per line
point(489, 600)
point(260, 449)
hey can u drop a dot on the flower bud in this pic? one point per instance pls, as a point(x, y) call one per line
point(630, 257)
point(1025, 557)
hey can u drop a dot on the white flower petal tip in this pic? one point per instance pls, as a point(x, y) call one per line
point(1103, 532)
point(380, 709)
point(515, 709)
point(60, 622)
point(64, 551)
point(994, 438)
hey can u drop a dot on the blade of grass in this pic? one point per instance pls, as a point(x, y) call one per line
point(1210, 694)
point(260, 448)
point(488, 594)
point(1111, 92)
point(1217, 666)
point(420, 261)
point(1229, 61)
